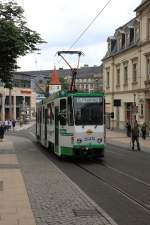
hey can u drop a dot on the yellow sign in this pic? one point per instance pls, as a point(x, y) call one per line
point(89, 132)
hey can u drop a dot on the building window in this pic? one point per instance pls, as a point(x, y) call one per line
point(123, 40)
point(131, 38)
point(148, 28)
point(134, 72)
point(125, 75)
point(148, 68)
point(63, 112)
point(107, 80)
point(118, 77)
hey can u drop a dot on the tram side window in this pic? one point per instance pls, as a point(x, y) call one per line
point(63, 112)
point(50, 114)
point(70, 112)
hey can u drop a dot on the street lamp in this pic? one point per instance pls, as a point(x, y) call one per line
point(134, 108)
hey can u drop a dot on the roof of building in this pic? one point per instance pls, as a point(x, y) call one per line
point(41, 77)
point(143, 4)
point(54, 78)
point(45, 74)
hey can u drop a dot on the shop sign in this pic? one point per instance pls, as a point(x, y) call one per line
point(28, 92)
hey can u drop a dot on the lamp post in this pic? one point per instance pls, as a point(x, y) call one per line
point(134, 108)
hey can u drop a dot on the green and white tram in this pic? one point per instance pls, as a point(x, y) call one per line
point(72, 124)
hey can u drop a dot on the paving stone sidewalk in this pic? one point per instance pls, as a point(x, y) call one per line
point(65, 202)
point(14, 202)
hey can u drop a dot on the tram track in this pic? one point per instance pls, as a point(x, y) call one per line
point(127, 175)
point(116, 188)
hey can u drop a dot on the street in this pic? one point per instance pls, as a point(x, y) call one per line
point(119, 184)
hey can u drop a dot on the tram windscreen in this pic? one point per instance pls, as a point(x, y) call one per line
point(88, 110)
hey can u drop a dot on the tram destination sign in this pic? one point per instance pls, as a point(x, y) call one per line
point(88, 100)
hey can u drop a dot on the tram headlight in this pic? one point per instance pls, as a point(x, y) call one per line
point(99, 140)
point(79, 140)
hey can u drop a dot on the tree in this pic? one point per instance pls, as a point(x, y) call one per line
point(16, 39)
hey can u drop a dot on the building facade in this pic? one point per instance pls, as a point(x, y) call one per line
point(88, 79)
point(19, 101)
point(127, 71)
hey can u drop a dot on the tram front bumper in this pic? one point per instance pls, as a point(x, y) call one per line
point(97, 151)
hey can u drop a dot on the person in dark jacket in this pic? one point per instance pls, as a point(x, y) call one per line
point(143, 130)
point(2, 131)
point(13, 124)
point(135, 135)
point(128, 127)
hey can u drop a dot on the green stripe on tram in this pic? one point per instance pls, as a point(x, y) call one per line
point(68, 151)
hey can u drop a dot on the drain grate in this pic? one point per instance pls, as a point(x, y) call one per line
point(85, 212)
point(1, 185)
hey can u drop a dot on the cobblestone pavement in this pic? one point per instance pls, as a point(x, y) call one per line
point(54, 198)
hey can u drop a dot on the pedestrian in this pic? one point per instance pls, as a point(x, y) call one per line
point(2, 131)
point(9, 124)
point(135, 135)
point(128, 128)
point(143, 130)
point(6, 125)
point(13, 124)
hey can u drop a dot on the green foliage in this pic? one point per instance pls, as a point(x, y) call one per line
point(16, 39)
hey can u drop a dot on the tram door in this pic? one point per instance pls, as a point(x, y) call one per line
point(56, 129)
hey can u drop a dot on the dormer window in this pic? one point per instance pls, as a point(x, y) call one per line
point(131, 36)
point(112, 44)
point(123, 40)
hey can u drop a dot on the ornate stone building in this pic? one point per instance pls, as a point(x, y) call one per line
point(127, 70)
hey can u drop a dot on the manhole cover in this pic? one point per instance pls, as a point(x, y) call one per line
point(85, 212)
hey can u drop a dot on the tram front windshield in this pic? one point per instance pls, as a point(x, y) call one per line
point(88, 110)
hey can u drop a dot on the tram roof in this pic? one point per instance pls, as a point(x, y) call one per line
point(61, 94)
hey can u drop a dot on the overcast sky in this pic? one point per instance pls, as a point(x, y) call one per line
point(60, 22)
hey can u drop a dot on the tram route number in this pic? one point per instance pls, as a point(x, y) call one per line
point(89, 139)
